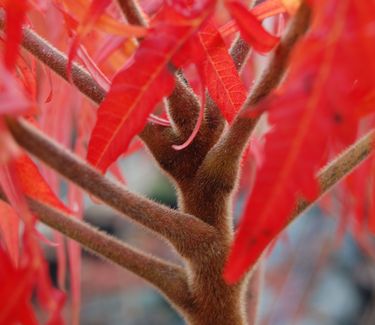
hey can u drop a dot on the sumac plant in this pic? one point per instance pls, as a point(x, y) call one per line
point(84, 83)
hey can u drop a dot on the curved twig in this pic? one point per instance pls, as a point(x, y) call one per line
point(339, 167)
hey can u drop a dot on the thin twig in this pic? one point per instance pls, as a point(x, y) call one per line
point(133, 12)
point(154, 270)
point(339, 167)
point(182, 230)
point(239, 52)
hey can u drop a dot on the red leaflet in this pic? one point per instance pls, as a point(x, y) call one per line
point(282, 177)
point(9, 223)
point(190, 9)
point(133, 95)
point(222, 79)
point(27, 77)
point(92, 67)
point(251, 29)
point(33, 184)
point(268, 8)
point(138, 87)
point(15, 17)
point(317, 107)
point(50, 299)
point(13, 100)
point(97, 8)
point(15, 294)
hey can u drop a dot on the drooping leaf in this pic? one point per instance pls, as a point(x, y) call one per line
point(222, 79)
point(268, 8)
point(15, 17)
point(15, 294)
point(137, 88)
point(76, 11)
point(9, 230)
point(12, 97)
point(95, 11)
point(92, 67)
point(250, 27)
point(51, 299)
point(33, 184)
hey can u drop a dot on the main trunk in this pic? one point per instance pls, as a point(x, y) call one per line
point(214, 301)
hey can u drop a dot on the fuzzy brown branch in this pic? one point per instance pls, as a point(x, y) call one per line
point(133, 12)
point(224, 157)
point(182, 230)
point(157, 272)
point(239, 52)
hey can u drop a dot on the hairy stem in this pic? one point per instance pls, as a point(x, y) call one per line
point(239, 52)
point(133, 12)
point(154, 270)
point(182, 230)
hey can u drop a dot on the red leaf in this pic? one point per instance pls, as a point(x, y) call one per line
point(96, 9)
point(323, 92)
point(280, 179)
point(222, 79)
point(190, 8)
point(33, 184)
point(51, 299)
point(268, 8)
point(138, 87)
point(15, 294)
point(12, 98)
point(15, 17)
point(251, 29)
point(9, 229)
point(94, 13)
point(92, 68)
